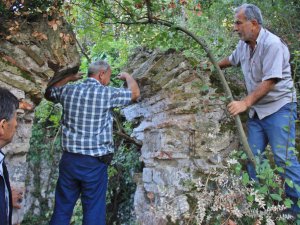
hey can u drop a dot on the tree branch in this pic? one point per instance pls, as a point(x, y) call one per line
point(82, 50)
point(128, 138)
point(149, 12)
point(120, 131)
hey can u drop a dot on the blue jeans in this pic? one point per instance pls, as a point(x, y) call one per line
point(278, 130)
point(80, 175)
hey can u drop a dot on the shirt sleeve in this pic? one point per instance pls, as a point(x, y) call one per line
point(273, 61)
point(54, 94)
point(120, 97)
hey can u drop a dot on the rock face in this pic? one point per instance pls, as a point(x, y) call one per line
point(183, 126)
point(31, 52)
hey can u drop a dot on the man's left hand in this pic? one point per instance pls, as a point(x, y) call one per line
point(17, 197)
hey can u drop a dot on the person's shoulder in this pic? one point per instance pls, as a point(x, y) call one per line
point(271, 39)
point(115, 88)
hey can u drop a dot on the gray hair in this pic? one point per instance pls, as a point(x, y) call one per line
point(252, 12)
point(95, 67)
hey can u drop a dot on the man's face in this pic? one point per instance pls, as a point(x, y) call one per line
point(106, 77)
point(243, 27)
point(8, 129)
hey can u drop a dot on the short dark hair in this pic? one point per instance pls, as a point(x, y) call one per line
point(8, 104)
point(96, 66)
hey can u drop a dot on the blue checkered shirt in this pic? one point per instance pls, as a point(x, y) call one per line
point(87, 115)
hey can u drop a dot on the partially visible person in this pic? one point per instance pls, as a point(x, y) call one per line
point(87, 140)
point(271, 99)
point(8, 125)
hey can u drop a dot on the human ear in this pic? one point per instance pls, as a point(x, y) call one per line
point(101, 76)
point(254, 22)
point(2, 124)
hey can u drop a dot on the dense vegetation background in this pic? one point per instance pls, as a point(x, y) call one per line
point(112, 30)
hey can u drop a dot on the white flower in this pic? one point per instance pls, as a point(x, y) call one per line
point(270, 221)
point(232, 161)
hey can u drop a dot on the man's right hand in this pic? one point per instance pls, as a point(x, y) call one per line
point(131, 84)
point(123, 75)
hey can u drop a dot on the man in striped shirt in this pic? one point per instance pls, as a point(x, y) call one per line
point(87, 140)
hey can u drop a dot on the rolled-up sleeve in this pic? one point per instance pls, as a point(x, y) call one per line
point(53, 94)
point(120, 97)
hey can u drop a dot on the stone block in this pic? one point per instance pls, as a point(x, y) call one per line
point(147, 175)
point(150, 187)
point(158, 177)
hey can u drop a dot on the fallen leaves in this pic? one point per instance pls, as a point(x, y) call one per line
point(39, 36)
point(54, 24)
point(66, 39)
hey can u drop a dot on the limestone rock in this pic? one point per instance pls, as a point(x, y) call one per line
point(182, 125)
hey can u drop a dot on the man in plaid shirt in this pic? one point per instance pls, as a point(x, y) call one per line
point(87, 140)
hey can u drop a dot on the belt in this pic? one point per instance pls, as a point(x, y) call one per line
point(255, 116)
point(106, 159)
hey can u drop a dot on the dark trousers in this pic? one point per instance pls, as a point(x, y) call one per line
point(85, 176)
point(4, 181)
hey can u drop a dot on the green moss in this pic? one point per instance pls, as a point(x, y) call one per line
point(192, 202)
point(26, 76)
point(6, 66)
point(229, 125)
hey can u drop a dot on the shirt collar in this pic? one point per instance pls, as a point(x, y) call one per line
point(2, 156)
point(260, 35)
point(92, 80)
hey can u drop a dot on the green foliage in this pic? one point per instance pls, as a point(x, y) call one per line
point(48, 113)
point(122, 186)
point(77, 215)
point(269, 187)
point(2, 9)
point(127, 21)
point(43, 144)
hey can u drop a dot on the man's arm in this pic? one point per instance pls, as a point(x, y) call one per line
point(224, 63)
point(131, 84)
point(61, 82)
point(236, 107)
